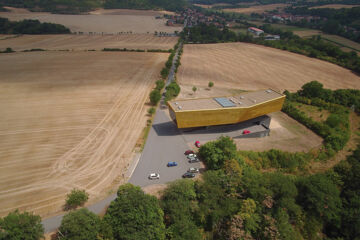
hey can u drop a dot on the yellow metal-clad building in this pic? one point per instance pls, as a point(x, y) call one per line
point(188, 113)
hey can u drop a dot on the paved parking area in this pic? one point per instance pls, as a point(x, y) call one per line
point(164, 144)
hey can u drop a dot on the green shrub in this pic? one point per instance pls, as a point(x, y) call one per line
point(76, 198)
point(155, 96)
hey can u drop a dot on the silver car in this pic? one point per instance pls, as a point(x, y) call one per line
point(193, 170)
point(154, 176)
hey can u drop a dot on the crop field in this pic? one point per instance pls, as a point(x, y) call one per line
point(105, 21)
point(253, 67)
point(256, 9)
point(69, 120)
point(87, 42)
point(335, 6)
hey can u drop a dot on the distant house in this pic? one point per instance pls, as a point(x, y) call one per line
point(256, 31)
point(272, 37)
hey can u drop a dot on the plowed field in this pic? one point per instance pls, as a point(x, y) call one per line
point(87, 42)
point(69, 119)
point(106, 21)
point(252, 67)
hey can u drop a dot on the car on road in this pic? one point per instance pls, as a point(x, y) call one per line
point(191, 155)
point(193, 170)
point(197, 144)
point(187, 152)
point(154, 176)
point(172, 164)
point(246, 131)
point(188, 175)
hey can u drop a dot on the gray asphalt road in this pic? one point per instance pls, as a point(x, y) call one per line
point(164, 144)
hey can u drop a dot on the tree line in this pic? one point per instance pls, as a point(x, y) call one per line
point(31, 27)
point(343, 22)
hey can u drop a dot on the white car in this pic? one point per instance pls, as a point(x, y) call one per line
point(191, 155)
point(193, 170)
point(153, 176)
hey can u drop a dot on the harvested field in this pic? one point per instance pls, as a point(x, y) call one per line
point(86, 42)
point(335, 6)
point(256, 9)
point(253, 67)
point(69, 119)
point(136, 21)
point(286, 134)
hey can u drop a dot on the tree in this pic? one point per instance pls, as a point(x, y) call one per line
point(155, 97)
point(320, 197)
point(18, 225)
point(151, 110)
point(76, 198)
point(312, 89)
point(135, 215)
point(210, 84)
point(83, 225)
point(194, 89)
point(178, 203)
point(215, 153)
point(159, 84)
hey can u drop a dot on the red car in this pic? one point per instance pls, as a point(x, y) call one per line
point(197, 144)
point(246, 132)
point(187, 152)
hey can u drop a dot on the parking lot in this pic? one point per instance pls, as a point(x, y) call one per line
point(165, 144)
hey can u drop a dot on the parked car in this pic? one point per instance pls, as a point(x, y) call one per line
point(193, 170)
point(187, 152)
point(188, 175)
point(172, 164)
point(197, 144)
point(194, 160)
point(153, 176)
point(246, 131)
point(191, 155)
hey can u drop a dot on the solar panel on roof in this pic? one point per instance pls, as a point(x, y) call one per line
point(224, 102)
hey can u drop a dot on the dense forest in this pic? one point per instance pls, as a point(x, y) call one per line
point(313, 47)
point(344, 22)
point(31, 27)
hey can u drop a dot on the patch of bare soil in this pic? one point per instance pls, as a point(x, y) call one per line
point(286, 134)
point(155, 189)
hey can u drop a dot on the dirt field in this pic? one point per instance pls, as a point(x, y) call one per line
point(69, 119)
point(253, 67)
point(87, 42)
point(256, 9)
point(101, 21)
point(286, 134)
point(336, 6)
